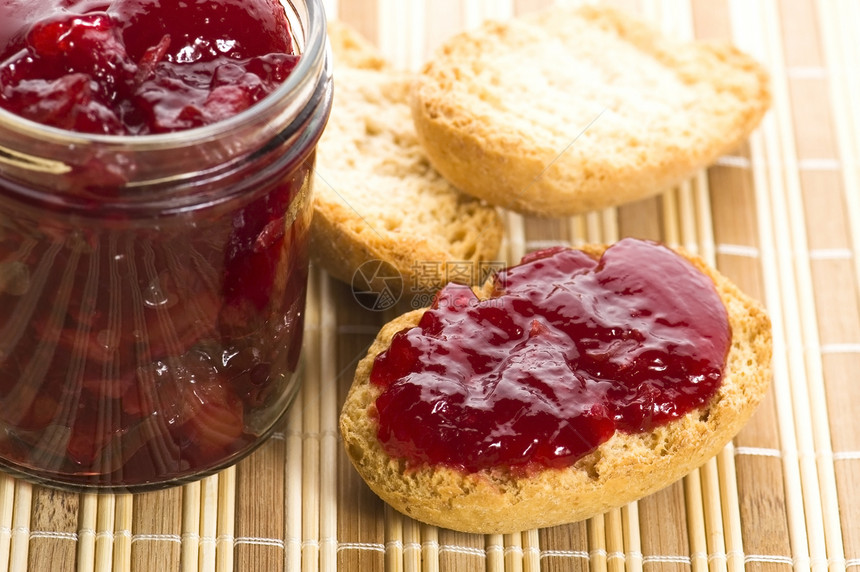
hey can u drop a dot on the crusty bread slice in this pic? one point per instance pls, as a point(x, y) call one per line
point(575, 109)
point(376, 195)
point(622, 469)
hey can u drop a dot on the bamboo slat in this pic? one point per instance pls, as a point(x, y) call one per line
point(7, 503)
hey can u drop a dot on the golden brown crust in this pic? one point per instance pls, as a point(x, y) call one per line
point(625, 468)
point(376, 196)
point(576, 109)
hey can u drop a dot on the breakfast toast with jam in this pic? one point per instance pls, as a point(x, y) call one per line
point(573, 383)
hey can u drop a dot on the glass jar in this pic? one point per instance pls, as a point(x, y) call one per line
point(152, 288)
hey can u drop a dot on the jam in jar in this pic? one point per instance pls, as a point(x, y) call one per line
point(156, 163)
point(566, 351)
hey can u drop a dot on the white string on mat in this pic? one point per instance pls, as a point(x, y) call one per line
point(568, 554)
point(808, 164)
point(365, 546)
point(831, 254)
point(740, 250)
point(666, 559)
point(806, 72)
point(758, 451)
point(53, 534)
point(172, 538)
point(774, 559)
point(260, 541)
point(733, 161)
point(464, 550)
point(819, 164)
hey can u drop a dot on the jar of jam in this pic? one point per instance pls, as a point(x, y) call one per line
point(155, 197)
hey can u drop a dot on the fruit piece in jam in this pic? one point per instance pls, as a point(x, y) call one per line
point(132, 356)
point(140, 66)
point(567, 351)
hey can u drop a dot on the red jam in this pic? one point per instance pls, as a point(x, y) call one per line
point(567, 351)
point(140, 66)
point(142, 349)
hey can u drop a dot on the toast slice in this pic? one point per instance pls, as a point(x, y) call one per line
point(624, 468)
point(580, 108)
point(376, 196)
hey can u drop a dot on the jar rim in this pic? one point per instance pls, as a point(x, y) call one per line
point(314, 52)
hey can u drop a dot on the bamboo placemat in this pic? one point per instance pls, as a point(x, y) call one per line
point(780, 216)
